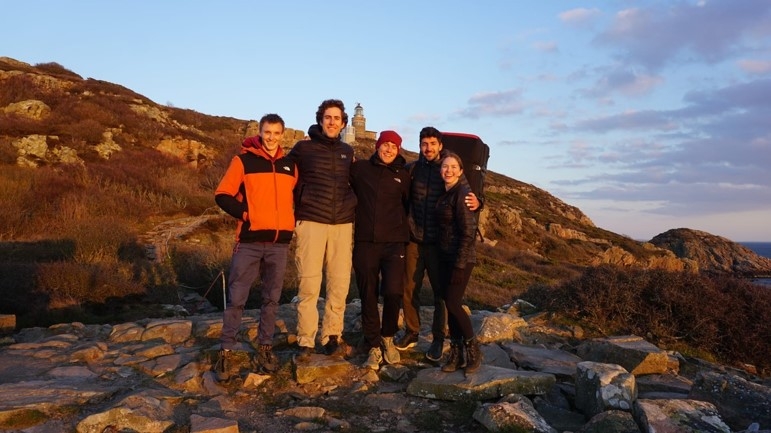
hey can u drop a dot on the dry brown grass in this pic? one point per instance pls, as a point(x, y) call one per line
point(71, 247)
point(716, 315)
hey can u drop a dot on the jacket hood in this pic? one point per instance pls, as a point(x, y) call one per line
point(255, 146)
point(255, 142)
point(317, 134)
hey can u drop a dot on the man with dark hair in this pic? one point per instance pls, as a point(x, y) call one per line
point(324, 209)
point(422, 254)
point(257, 190)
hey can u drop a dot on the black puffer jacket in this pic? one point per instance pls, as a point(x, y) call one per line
point(323, 193)
point(457, 227)
point(427, 186)
point(383, 193)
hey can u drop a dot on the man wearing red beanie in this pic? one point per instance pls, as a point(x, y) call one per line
point(382, 188)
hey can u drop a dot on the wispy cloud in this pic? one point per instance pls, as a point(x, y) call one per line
point(580, 17)
point(502, 103)
point(624, 81)
point(755, 66)
point(686, 32)
point(546, 46)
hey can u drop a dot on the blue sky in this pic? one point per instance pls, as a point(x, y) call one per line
point(646, 115)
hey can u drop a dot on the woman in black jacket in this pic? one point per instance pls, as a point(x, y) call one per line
point(457, 239)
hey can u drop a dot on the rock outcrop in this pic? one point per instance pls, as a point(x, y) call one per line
point(155, 375)
point(713, 253)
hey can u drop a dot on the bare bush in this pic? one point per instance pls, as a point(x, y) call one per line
point(718, 316)
point(19, 88)
point(56, 69)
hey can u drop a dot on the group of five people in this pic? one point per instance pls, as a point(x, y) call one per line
point(410, 219)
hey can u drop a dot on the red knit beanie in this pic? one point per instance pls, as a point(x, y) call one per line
point(387, 136)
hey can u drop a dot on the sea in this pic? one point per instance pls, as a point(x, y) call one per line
point(762, 249)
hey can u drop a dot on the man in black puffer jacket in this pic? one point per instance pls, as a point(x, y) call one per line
point(324, 209)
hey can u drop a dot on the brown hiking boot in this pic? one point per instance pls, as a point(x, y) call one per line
point(406, 341)
point(222, 366)
point(456, 358)
point(473, 355)
point(266, 360)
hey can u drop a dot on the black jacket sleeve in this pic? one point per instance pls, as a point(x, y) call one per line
point(466, 227)
point(231, 205)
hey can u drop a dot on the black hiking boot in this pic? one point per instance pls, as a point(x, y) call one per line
point(334, 347)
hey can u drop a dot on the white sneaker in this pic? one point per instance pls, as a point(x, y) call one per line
point(390, 353)
point(374, 359)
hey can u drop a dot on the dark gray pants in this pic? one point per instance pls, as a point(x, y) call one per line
point(422, 259)
point(245, 266)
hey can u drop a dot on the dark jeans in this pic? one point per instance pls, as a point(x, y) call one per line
point(379, 270)
point(452, 293)
point(245, 266)
point(422, 258)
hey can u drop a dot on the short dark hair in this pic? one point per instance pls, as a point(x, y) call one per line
point(430, 131)
point(453, 155)
point(328, 103)
point(271, 118)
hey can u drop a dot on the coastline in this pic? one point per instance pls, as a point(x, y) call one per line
point(762, 249)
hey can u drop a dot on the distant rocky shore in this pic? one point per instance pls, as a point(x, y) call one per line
point(154, 375)
point(714, 254)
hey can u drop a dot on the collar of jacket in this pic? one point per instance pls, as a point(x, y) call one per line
point(316, 134)
point(422, 158)
point(397, 164)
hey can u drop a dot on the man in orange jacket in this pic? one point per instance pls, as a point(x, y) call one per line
point(257, 190)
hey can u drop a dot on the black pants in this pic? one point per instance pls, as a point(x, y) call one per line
point(379, 271)
point(457, 320)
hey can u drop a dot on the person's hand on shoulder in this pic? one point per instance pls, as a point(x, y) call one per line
point(472, 202)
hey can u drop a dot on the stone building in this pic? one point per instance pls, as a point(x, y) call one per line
point(357, 127)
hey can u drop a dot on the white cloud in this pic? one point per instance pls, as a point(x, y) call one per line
point(755, 66)
point(579, 17)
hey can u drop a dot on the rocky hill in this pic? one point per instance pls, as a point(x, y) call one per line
point(94, 174)
point(713, 253)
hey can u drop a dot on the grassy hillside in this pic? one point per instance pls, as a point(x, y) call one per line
point(91, 173)
point(115, 164)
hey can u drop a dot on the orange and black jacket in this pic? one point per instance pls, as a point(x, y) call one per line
point(257, 190)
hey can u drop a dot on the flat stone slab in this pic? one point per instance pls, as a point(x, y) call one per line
point(554, 361)
point(486, 383)
point(636, 355)
point(320, 366)
point(49, 395)
point(664, 383)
